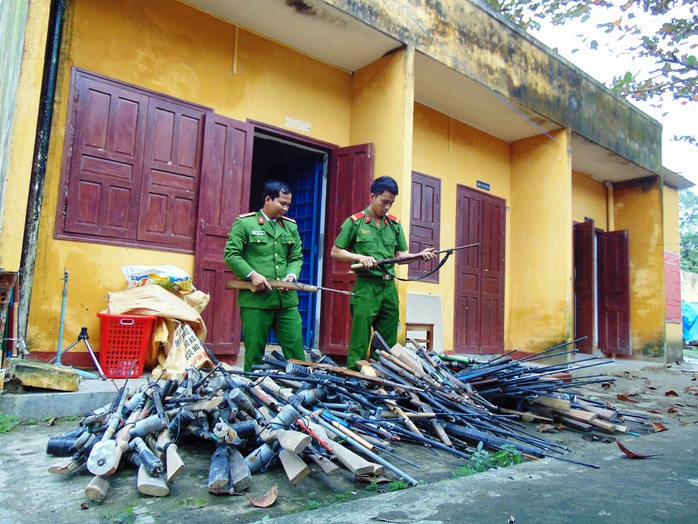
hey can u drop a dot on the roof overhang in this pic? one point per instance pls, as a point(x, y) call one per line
point(332, 36)
point(312, 27)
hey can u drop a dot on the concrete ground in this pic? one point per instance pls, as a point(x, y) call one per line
point(663, 488)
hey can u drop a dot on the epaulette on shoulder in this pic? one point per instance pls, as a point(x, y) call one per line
point(289, 219)
point(393, 218)
point(358, 216)
point(245, 215)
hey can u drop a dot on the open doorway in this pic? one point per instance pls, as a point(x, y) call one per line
point(602, 289)
point(303, 168)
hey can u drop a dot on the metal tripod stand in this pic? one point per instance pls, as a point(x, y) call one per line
point(83, 336)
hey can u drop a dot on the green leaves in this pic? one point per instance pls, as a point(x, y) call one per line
point(688, 227)
point(666, 40)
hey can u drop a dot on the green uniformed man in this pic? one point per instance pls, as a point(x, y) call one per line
point(368, 236)
point(265, 246)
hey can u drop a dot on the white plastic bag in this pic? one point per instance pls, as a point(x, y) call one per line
point(169, 277)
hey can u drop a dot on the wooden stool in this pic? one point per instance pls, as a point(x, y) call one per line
point(428, 340)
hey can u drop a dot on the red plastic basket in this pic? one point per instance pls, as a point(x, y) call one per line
point(123, 344)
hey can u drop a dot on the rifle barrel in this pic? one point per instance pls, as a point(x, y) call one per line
point(407, 258)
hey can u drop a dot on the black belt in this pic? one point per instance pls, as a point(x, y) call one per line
point(381, 278)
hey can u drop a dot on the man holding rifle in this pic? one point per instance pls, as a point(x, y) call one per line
point(365, 238)
point(265, 246)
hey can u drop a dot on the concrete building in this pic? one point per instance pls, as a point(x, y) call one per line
point(158, 122)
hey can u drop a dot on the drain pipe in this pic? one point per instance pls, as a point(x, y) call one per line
point(38, 173)
point(610, 207)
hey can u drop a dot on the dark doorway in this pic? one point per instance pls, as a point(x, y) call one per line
point(302, 168)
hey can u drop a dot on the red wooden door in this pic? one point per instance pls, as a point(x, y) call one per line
point(614, 292)
point(351, 172)
point(584, 285)
point(492, 252)
point(479, 285)
point(224, 193)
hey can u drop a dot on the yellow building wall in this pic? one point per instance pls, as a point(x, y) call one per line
point(672, 231)
point(589, 200)
point(457, 154)
point(672, 242)
point(382, 94)
point(638, 208)
point(541, 305)
point(168, 47)
point(22, 139)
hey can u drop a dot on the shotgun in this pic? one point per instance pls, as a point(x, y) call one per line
point(282, 284)
point(411, 258)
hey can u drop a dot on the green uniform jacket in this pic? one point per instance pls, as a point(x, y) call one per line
point(256, 245)
point(359, 234)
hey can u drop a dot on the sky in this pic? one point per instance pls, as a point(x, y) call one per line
point(605, 63)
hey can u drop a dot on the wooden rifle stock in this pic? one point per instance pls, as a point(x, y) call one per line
point(275, 284)
point(411, 258)
point(281, 284)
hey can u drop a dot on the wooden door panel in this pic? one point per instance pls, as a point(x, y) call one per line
point(479, 285)
point(425, 211)
point(584, 285)
point(468, 275)
point(108, 154)
point(492, 323)
point(351, 172)
point(614, 293)
point(171, 171)
point(226, 169)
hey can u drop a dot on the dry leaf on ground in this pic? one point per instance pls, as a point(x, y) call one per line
point(632, 454)
point(265, 501)
point(624, 397)
point(658, 426)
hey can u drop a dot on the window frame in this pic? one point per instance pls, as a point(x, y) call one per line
point(69, 179)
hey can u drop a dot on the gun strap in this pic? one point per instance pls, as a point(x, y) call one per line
point(441, 263)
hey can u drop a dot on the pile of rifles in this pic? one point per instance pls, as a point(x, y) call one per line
point(295, 413)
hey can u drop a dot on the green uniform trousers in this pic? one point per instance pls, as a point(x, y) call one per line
point(287, 326)
point(375, 304)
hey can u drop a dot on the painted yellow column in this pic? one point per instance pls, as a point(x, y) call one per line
point(540, 284)
point(638, 208)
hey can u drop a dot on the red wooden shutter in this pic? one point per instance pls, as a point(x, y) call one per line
point(226, 169)
point(171, 175)
point(424, 223)
point(351, 172)
point(106, 161)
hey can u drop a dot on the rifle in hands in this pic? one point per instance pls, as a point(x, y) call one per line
point(282, 284)
point(411, 258)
